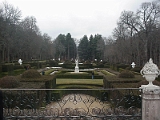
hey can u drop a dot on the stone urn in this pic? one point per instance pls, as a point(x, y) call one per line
point(150, 71)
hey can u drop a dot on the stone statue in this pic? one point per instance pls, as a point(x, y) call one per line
point(20, 61)
point(76, 67)
point(76, 61)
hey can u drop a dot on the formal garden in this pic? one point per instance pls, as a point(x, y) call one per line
point(52, 74)
point(105, 75)
point(55, 85)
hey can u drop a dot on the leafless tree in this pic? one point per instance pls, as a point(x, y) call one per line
point(11, 17)
point(143, 22)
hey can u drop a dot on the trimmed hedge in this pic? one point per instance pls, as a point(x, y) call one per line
point(36, 64)
point(136, 69)
point(68, 66)
point(118, 66)
point(126, 74)
point(18, 67)
point(68, 72)
point(52, 63)
point(100, 65)
point(85, 66)
point(48, 80)
point(83, 75)
point(9, 82)
point(18, 71)
point(158, 78)
point(7, 67)
point(106, 65)
point(51, 84)
point(31, 74)
point(2, 74)
point(107, 72)
point(79, 76)
point(0, 68)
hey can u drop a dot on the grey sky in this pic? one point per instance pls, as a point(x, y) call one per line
point(78, 17)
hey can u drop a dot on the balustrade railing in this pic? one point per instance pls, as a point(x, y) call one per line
point(72, 104)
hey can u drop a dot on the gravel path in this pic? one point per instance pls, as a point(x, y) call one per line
point(83, 102)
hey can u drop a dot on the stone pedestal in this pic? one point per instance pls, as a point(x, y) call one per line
point(150, 103)
point(76, 69)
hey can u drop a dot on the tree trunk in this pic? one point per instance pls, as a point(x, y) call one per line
point(8, 57)
point(3, 54)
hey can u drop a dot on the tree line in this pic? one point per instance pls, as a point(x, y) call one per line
point(21, 38)
point(64, 47)
point(91, 49)
point(135, 38)
point(68, 48)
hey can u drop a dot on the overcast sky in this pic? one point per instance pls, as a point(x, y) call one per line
point(78, 17)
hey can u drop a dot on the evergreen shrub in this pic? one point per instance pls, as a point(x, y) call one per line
point(7, 67)
point(85, 66)
point(128, 68)
point(123, 66)
point(106, 65)
point(30, 63)
point(113, 67)
point(79, 76)
point(100, 65)
point(18, 67)
point(158, 78)
point(68, 65)
point(51, 83)
point(34, 64)
point(67, 62)
point(53, 63)
point(126, 74)
point(31, 73)
point(9, 82)
point(27, 66)
point(136, 69)
point(0, 68)
point(18, 71)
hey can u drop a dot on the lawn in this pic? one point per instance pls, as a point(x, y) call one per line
point(79, 81)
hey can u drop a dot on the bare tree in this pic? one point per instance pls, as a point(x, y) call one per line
point(11, 14)
point(143, 22)
point(11, 17)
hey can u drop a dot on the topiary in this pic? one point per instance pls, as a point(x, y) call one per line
point(126, 74)
point(67, 62)
point(9, 82)
point(31, 73)
point(53, 63)
point(136, 69)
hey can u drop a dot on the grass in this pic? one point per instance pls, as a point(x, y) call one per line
point(47, 72)
point(77, 87)
point(107, 73)
point(79, 81)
